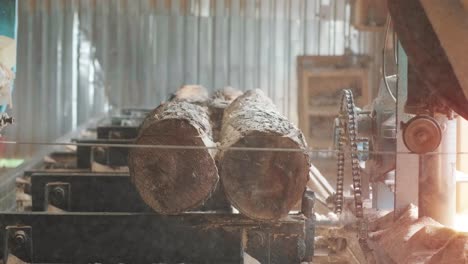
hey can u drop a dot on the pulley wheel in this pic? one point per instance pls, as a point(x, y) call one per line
point(422, 134)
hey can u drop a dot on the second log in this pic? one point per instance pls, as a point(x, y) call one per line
point(263, 161)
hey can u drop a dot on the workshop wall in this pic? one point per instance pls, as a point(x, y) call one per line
point(79, 58)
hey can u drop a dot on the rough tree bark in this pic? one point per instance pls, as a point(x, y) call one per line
point(263, 185)
point(172, 181)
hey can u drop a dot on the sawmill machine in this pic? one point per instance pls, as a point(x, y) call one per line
point(412, 116)
point(402, 147)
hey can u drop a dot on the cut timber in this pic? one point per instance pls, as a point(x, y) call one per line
point(174, 180)
point(261, 184)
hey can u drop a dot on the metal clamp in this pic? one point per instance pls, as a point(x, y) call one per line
point(268, 245)
point(57, 194)
point(256, 244)
point(18, 244)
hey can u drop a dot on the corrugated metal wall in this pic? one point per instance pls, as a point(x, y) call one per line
point(77, 57)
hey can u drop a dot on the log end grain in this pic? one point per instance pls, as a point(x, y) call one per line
point(174, 180)
point(264, 185)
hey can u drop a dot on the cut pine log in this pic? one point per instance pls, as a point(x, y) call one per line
point(263, 185)
point(174, 180)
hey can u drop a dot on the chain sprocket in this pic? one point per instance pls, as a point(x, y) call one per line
point(348, 142)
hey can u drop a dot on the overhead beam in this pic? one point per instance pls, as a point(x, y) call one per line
point(426, 53)
point(449, 19)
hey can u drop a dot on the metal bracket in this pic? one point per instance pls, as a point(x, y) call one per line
point(269, 245)
point(308, 201)
point(57, 194)
point(18, 244)
point(256, 245)
point(152, 238)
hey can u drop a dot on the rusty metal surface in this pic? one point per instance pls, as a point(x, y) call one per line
point(102, 192)
point(150, 238)
point(89, 192)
